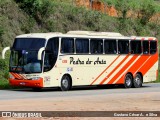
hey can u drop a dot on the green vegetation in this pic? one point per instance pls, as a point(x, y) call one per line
point(28, 16)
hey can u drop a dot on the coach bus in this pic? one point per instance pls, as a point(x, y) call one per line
point(77, 58)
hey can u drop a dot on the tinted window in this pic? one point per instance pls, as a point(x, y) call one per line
point(123, 46)
point(82, 46)
point(153, 47)
point(53, 45)
point(136, 47)
point(96, 46)
point(67, 45)
point(51, 54)
point(28, 43)
point(110, 46)
point(146, 47)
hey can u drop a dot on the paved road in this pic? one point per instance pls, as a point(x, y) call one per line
point(78, 91)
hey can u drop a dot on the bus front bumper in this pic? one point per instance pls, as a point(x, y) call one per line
point(27, 83)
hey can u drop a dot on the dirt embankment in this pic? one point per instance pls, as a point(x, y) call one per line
point(110, 10)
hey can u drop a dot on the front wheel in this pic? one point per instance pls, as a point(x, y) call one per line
point(128, 81)
point(137, 82)
point(66, 83)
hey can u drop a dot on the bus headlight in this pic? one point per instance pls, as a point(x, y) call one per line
point(35, 78)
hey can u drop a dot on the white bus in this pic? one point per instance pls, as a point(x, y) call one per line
point(77, 58)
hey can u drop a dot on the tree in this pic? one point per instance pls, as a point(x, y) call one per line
point(147, 10)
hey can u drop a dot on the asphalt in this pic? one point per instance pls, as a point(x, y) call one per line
point(27, 93)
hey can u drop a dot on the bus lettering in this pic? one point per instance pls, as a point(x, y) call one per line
point(99, 61)
point(76, 62)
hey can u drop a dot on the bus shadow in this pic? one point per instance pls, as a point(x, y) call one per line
point(77, 88)
point(100, 87)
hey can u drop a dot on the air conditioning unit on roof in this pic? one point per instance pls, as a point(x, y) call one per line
point(93, 33)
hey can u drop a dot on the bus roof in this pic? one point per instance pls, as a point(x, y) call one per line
point(83, 34)
point(40, 35)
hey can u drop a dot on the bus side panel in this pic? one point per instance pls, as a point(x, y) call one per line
point(51, 78)
point(145, 64)
point(151, 75)
point(149, 69)
point(84, 69)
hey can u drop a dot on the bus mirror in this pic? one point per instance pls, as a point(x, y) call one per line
point(4, 52)
point(40, 53)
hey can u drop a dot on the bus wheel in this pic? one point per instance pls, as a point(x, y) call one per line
point(65, 83)
point(137, 82)
point(128, 81)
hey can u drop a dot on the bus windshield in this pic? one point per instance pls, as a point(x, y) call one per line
point(24, 55)
point(24, 61)
point(28, 43)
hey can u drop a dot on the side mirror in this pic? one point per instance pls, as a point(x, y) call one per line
point(4, 52)
point(40, 53)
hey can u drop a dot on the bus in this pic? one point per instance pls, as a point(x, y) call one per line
point(76, 58)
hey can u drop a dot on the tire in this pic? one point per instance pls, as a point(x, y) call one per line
point(66, 83)
point(128, 81)
point(137, 82)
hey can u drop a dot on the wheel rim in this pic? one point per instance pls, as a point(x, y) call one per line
point(128, 81)
point(138, 80)
point(65, 83)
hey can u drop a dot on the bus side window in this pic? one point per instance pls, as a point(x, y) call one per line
point(51, 53)
point(96, 46)
point(123, 46)
point(67, 45)
point(110, 46)
point(136, 47)
point(145, 47)
point(153, 47)
point(52, 46)
point(82, 45)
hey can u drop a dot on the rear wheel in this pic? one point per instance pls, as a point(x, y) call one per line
point(137, 82)
point(66, 83)
point(128, 81)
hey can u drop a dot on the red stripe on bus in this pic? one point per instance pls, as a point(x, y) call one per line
point(105, 69)
point(150, 38)
point(140, 67)
point(123, 69)
point(15, 75)
point(157, 75)
point(12, 74)
point(144, 69)
point(138, 63)
point(21, 76)
point(114, 69)
point(143, 39)
point(134, 67)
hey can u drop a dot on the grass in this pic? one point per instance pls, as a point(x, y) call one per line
point(4, 84)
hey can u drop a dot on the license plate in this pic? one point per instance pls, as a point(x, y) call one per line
point(22, 83)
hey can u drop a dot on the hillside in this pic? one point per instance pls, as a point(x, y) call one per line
point(111, 7)
point(18, 17)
